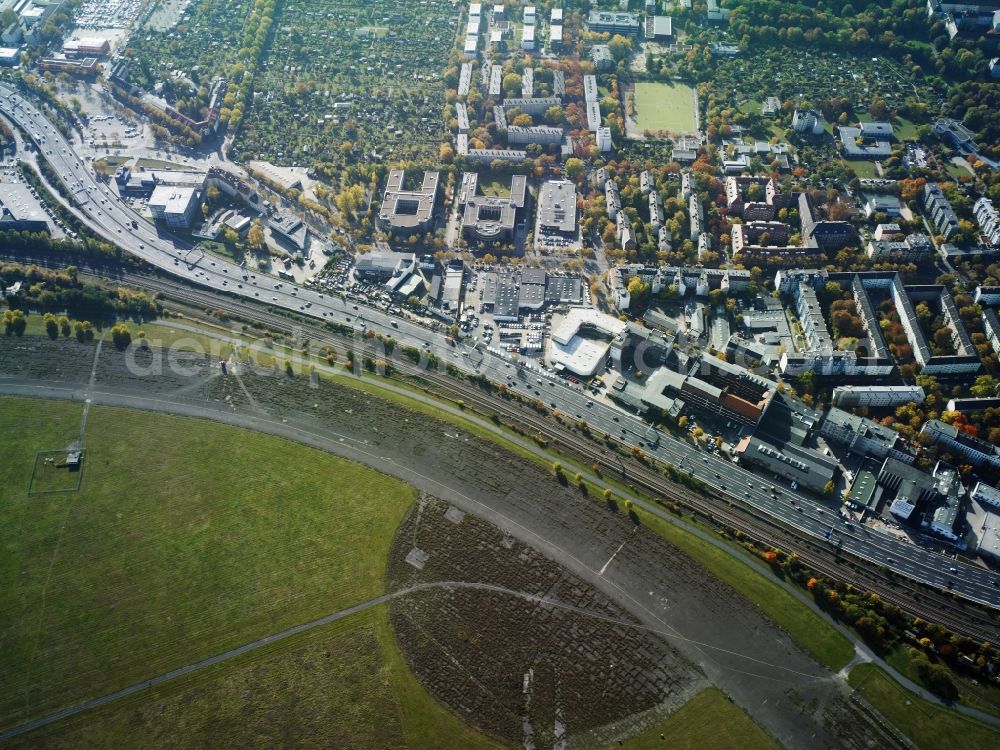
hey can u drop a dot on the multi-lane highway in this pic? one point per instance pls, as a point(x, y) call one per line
point(111, 218)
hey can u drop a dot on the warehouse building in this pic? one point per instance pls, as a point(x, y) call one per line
point(557, 208)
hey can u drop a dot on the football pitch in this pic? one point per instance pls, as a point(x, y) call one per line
point(664, 106)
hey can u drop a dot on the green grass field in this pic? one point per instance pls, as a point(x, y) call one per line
point(496, 187)
point(929, 726)
point(358, 693)
point(863, 168)
point(186, 538)
point(709, 721)
point(664, 106)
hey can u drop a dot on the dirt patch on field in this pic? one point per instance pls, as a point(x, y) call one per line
point(547, 663)
point(37, 358)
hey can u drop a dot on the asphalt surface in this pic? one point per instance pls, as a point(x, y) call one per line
point(111, 218)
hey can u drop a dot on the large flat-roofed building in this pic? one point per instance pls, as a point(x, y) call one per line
point(869, 141)
point(78, 66)
point(557, 207)
point(988, 535)
point(659, 28)
point(581, 341)
point(732, 391)
point(555, 37)
point(20, 210)
point(986, 494)
point(491, 218)
point(614, 22)
point(132, 183)
point(863, 436)
point(603, 139)
point(409, 211)
point(590, 93)
point(381, 265)
point(973, 405)
point(87, 47)
point(810, 469)
point(175, 205)
point(527, 38)
point(600, 55)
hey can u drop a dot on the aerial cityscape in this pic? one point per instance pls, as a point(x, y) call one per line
point(500, 375)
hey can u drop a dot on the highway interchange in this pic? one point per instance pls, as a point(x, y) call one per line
point(113, 220)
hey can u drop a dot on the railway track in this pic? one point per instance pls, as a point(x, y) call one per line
point(920, 601)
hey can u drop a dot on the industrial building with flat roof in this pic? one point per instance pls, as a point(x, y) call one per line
point(20, 210)
point(409, 211)
point(583, 354)
point(557, 207)
point(810, 469)
point(381, 265)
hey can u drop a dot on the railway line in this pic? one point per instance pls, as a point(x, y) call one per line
point(823, 558)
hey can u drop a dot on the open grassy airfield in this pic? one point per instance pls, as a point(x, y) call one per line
point(186, 538)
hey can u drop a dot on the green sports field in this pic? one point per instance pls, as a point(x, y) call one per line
point(664, 106)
